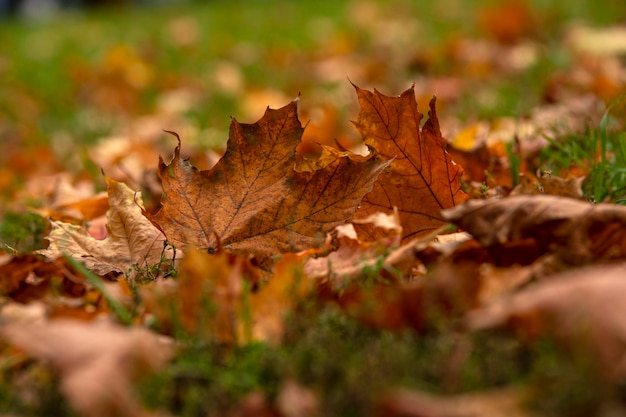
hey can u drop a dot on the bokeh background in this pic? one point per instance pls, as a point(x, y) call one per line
point(90, 85)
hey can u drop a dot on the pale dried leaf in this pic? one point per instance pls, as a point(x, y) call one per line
point(407, 403)
point(132, 239)
point(295, 400)
point(97, 361)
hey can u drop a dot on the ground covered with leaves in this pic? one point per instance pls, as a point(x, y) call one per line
point(413, 210)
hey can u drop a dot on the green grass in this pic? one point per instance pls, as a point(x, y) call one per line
point(601, 151)
point(345, 363)
point(41, 58)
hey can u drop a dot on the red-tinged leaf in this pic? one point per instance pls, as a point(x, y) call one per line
point(29, 277)
point(422, 179)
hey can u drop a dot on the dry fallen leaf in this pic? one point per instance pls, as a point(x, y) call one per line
point(270, 305)
point(509, 21)
point(407, 403)
point(208, 295)
point(392, 307)
point(205, 300)
point(213, 298)
point(422, 179)
point(96, 362)
point(483, 148)
point(351, 256)
point(133, 242)
point(576, 231)
point(62, 199)
point(28, 277)
point(609, 40)
point(295, 400)
point(584, 308)
point(548, 184)
point(253, 201)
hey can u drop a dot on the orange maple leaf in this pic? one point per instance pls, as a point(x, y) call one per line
point(422, 179)
point(253, 201)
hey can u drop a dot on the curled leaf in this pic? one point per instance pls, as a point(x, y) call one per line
point(576, 231)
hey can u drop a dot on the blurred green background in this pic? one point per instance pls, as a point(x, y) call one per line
point(75, 76)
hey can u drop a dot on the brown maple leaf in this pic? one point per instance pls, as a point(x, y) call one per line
point(253, 201)
point(422, 179)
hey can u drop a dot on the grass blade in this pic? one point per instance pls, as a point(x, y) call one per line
point(118, 309)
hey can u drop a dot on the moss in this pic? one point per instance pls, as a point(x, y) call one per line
point(567, 382)
point(344, 362)
point(349, 364)
point(206, 379)
point(22, 232)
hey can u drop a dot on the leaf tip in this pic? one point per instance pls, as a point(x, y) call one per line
point(433, 102)
point(107, 179)
point(432, 124)
point(409, 91)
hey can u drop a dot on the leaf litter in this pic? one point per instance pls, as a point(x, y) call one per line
point(265, 231)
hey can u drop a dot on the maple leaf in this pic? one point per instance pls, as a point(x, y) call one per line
point(132, 240)
point(422, 179)
point(253, 201)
